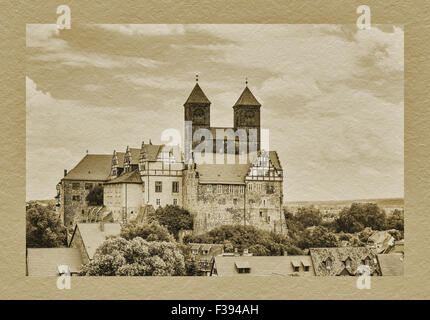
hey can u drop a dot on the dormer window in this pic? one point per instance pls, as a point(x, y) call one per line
point(328, 263)
point(367, 261)
point(296, 265)
point(242, 267)
point(306, 265)
point(347, 262)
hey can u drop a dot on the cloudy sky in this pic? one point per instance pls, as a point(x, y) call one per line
point(332, 97)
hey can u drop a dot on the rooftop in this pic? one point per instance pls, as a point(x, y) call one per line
point(338, 256)
point(93, 237)
point(91, 167)
point(197, 96)
point(247, 99)
point(127, 177)
point(391, 264)
point(45, 261)
point(263, 265)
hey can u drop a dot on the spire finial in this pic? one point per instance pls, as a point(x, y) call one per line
point(246, 81)
point(197, 78)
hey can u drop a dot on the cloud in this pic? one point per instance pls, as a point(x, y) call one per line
point(44, 36)
point(145, 29)
point(332, 95)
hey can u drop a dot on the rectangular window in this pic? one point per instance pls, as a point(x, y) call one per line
point(143, 186)
point(230, 188)
point(175, 186)
point(76, 198)
point(241, 189)
point(88, 186)
point(158, 186)
point(270, 189)
point(219, 189)
point(175, 201)
point(158, 202)
point(209, 188)
point(76, 185)
point(250, 187)
point(235, 202)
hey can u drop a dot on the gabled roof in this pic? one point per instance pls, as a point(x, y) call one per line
point(93, 237)
point(338, 256)
point(226, 173)
point(152, 151)
point(391, 264)
point(120, 156)
point(222, 173)
point(45, 261)
point(127, 177)
point(135, 155)
point(197, 96)
point(261, 265)
point(247, 99)
point(273, 156)
point(91, 167)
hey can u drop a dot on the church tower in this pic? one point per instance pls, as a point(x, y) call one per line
point(197, 110)
point(247, 114)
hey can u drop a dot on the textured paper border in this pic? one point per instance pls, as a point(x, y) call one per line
point(415, 284)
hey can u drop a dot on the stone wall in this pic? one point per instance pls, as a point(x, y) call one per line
point(115, 196)
point(254, 203)
point(73, 200)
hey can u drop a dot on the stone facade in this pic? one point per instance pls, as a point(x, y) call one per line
point(72, 195)
point(241, 192)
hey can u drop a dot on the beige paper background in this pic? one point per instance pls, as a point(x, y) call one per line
point(415, 284)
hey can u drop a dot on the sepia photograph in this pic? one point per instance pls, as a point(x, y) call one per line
point(215, 150)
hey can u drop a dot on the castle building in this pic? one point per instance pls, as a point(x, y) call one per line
point(245, 188)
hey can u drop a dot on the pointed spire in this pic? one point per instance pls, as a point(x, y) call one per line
point(197, 95)
point(247, 98)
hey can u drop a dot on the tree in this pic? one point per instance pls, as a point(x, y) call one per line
point(319, 237)
point(191, 266)
point(173, 218)
point(148, 231)
point(43, 227)
point(136, 257)
point(396, 220)
point(309, 216)
point(259, 250)
point(155, 232)
point(244, 237)
point(360, 216)
point(95, 196)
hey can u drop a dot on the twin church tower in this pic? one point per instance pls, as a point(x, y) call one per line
point(246, 115)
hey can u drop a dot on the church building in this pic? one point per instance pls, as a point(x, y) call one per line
point(245, 188)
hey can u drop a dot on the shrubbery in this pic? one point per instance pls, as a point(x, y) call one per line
point(43, 227)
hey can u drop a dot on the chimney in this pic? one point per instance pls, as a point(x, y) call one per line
point(65, 172)
point(102, 226)
point(246, 253)
point(236, 253)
